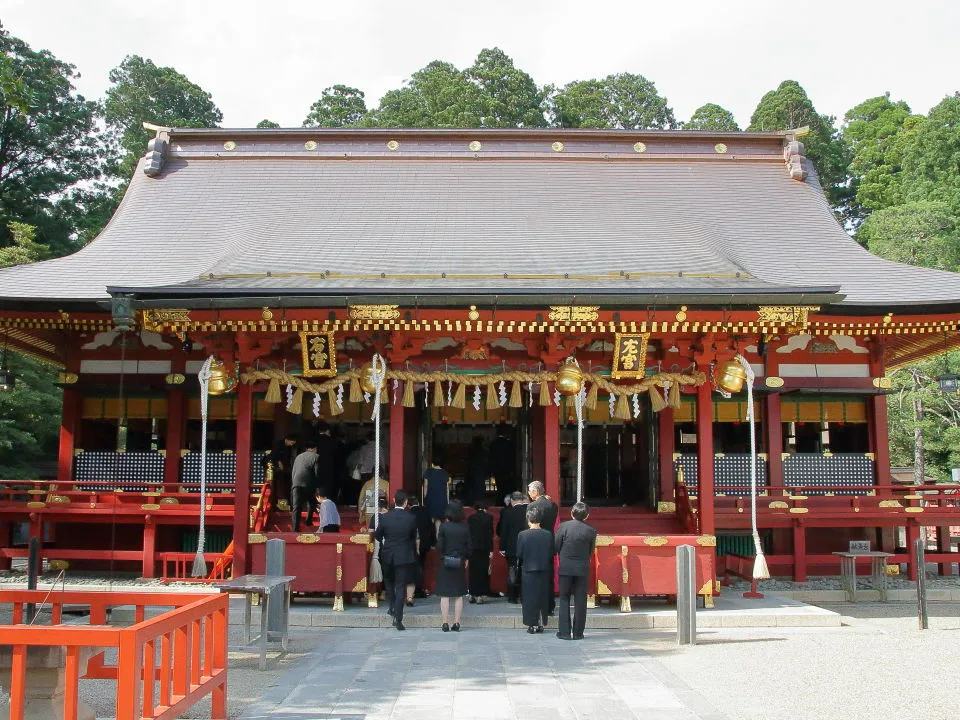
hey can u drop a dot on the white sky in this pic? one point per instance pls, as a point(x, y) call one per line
point(272, 59)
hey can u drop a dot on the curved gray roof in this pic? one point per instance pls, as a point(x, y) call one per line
point(680, 218)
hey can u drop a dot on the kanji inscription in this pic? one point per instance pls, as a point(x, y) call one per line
point(319, 354)
point(629, 355)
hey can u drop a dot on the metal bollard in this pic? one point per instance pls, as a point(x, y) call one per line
point(686, 595)
point(919, 553)
point(275, 565)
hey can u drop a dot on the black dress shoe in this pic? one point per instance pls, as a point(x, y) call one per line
point(445, 627)
point(455, 627)
point(578, 637)
point(398, 624)
point(564, 637)
point(530, 630)
point(539, 628)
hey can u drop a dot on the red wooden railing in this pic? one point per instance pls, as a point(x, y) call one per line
point(178, 566)
point(192, 643)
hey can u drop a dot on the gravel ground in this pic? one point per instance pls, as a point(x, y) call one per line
point(879, 664)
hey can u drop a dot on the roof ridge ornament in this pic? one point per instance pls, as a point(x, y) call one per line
point(156, 155)
point(793, 157)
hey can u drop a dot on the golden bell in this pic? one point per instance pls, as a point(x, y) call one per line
point(730, 376)
point(366, 379)
point(569, 378)
point(221, 381)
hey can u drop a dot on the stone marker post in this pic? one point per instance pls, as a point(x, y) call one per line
point(686, 595)
point(920, 556)
point(275, 565)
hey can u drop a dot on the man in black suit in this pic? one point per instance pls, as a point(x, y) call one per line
point(397, 533)
point(574, 544)
point(327, 461)
point(548, 512)
point(513, 521)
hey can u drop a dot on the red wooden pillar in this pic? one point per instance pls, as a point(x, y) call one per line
point(69, 424)
point(705, 478)
point(799, 552)
point(773, 428)
point(666, 439)
point(241, 499)
point(551, 450)
point(398, 478)
point(149, 547)
point(176, 424)
point(943, 546)
point(879, 432)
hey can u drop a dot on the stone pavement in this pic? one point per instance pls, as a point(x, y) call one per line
point(494, 674)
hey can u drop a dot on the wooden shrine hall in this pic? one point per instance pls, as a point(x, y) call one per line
point(578, 297)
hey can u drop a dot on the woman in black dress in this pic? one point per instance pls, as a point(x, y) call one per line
point(535, 556)
point(480, 525)
point(453, 550)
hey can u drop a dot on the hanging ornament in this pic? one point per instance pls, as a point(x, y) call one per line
point(556, 398)
point(221, 381)
point(366, 397)
point(729, 376)
point(569, 377)
point(396, 384)
point(289, 396)
point(450, 393)
point(503, 393)
point(530, 393)
point(367, 382)
point(612, 402)
point(476, 397)
point(340, 396)
point(316, 405)
point(636, 406)
point(426, 394)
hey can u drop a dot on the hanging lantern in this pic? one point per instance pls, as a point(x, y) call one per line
point(730, 376)
point(366, 379)
point(949, 383)
point(569, 378)
point(221, 381)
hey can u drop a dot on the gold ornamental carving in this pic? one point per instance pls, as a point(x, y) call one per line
point(319, 354)
point(310, 145)
point(266, 314)
point(374, 312)
point(361, 585)
point(161, 318)
point(475, 146)
point(557, 146)
point(574, 313)
point(393, 145)
point(778, 505)
point(794, 318)
point(890, 504)
point(913, 509)
point(360, 539)
point(339, 573)
point(773, 382)
point(307, 538)
point(36, 505)
point(707, 541)
point(639, 147)
point(629, 355)
point(882, 383)
point(602, 588)
point(171, 501)
point(256, 539)
point(655, 541)
point(720, 148)
point(665, 506)
point(604, 540)
point(150, 506)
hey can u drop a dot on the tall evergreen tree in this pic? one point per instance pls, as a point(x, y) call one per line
point(711, 117)
point(338, 106)
point(624, 101)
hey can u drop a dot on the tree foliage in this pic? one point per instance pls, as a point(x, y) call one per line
point(922, 233)
point(436, 96)
point(506, 96)
point(48, 143)
point(338, 106)
point(142, 92)
point(267, 124)
point(23, 247)
point(931, 156)
point(29, 417)
point(711, 117)
point(788, 108)
point(623, 101)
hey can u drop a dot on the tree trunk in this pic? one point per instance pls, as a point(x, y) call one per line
point(918, 459)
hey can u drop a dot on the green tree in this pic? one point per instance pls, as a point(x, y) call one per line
point(436, 96)
point(48, 143)
point(875, 132)
point(267, 124)
point(507, 97)
point(931, 160)
point(788, 108)
point(711, 117)
point(338, 106)
point(624, 101)
point(925, 233)
point(23, 247)
point(29, 417)
point(142, 92)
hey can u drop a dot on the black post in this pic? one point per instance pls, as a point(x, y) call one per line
point(33, 570)
point(920, 556)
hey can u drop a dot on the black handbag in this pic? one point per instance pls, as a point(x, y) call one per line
point(452, 561)
point(512, 575)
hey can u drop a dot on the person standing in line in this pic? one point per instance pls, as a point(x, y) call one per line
point(426, 539)
point(513, 521)
point(326, 460)
point(548, 512)
point(304, 484)
point(453, 549)
point(436, 490)
point(535, 556)
point(367, 456)
point(480, 525)
point(397, 533)
point(575, 542)
point(329, 515)
point(478, 470)
point(282, 457)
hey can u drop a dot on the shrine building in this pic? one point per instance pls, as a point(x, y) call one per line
point(489, 269)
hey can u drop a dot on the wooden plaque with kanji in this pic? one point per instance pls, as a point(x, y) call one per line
point(629, 355)
point(319, 354)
